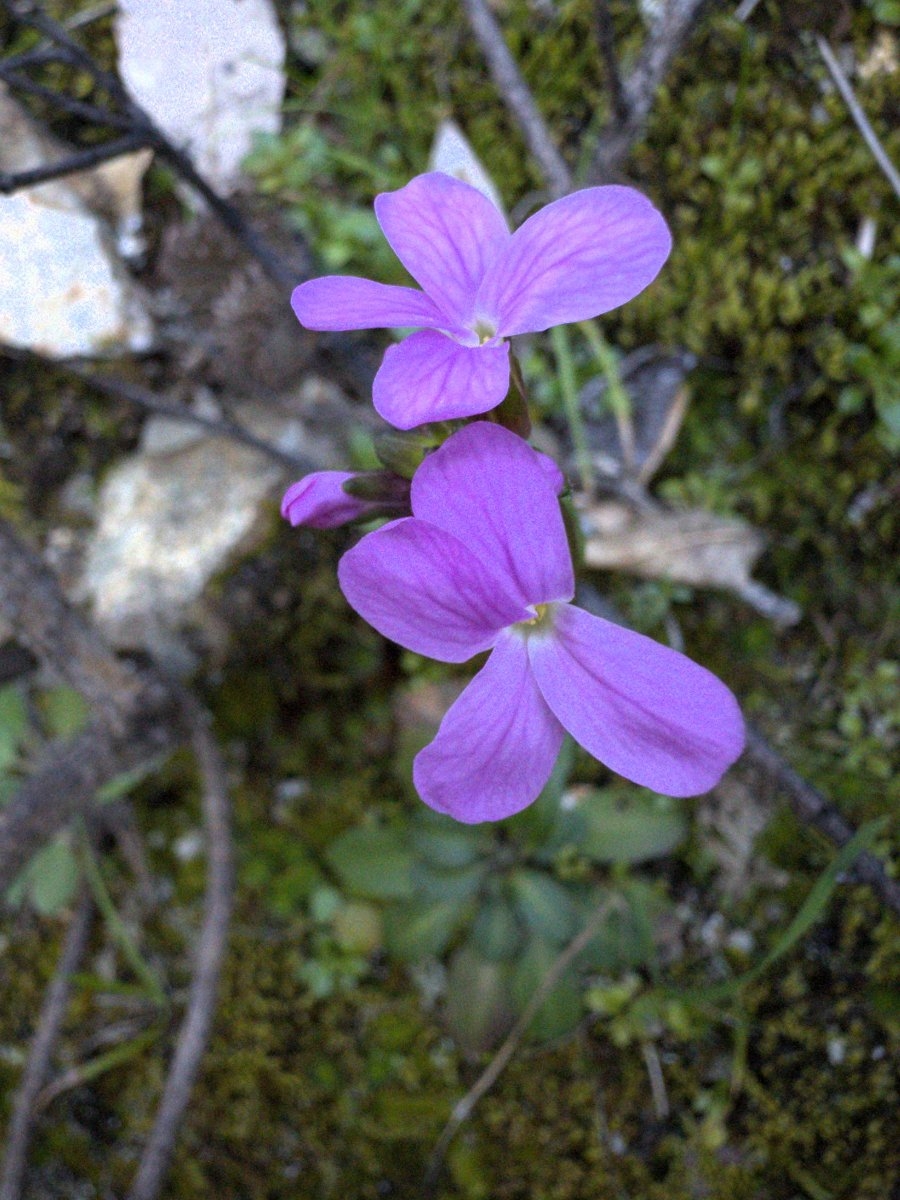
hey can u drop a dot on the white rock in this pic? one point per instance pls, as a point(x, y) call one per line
point(63, 291)
point(209, 72)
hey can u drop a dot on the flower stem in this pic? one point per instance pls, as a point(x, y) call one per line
point(565, 365)
point(512, 412)
point(617, 398)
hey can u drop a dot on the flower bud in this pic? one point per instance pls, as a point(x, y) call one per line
point(319, 501)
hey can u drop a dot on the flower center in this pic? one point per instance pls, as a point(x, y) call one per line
point(541, 622)
point(484, 331)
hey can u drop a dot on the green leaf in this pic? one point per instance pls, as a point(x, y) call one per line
point(13, 725)
point(563, 1008)
point(53, 876)
point(416, 931)
point(496, 932)
point(626, 938)
point(812, 908)
point(373, 862)
point(64, 710)
point(546, 906)
point(120, 785)
point(454, 846)
point(431, 883)
point(477, 999)
point(630, 827)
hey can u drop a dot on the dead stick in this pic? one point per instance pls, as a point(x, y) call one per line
point(603, 27)
point(194, 1032)
point(52, 1013)
point(665, 39)
point(131, 711)
point(842, 83)
point(148, 133)
point(517, 95)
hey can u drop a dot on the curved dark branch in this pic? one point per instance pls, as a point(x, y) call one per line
point(194, 1032)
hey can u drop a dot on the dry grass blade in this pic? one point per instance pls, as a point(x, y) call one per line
point(495, 1068)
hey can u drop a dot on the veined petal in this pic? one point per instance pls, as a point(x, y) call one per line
point(319, 501)
point(446, 233)
point(499, 496)
point(423, 588)
point(429, 377)
point(647, 712)
point(578, 257)
point(496, 745)
point(341, 302)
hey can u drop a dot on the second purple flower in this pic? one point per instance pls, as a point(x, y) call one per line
point(484, 564)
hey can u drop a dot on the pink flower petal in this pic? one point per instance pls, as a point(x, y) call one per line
point(496, 494)
point(496, 745)
point(429, 377)
point(423, 588)
point(319, 501)
point(578, 257)
point(446, 234)
point(348, 302)
point(647, 712)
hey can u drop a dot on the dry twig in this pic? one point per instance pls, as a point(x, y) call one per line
point(518, 97)
point(53, 1011)
point(603, 28)
point(665, 39)
point(133, 719)
point(220, 426)
point(194, 1032)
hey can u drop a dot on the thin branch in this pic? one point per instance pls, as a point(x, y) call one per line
point(498, 1064)
point(517, 95)
point(43, 620)
point(78, 160)
point(194, 1032)
point(73, 106)
point(606, 40)
point(65, 784)
point(220, 426)
point(842, 83)
point(814, 809)
point(50, 1020)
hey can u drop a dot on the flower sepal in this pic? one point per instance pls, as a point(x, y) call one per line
point(402, 452)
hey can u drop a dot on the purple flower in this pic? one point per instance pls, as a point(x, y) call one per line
point(483, 564)
point(578, 257)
